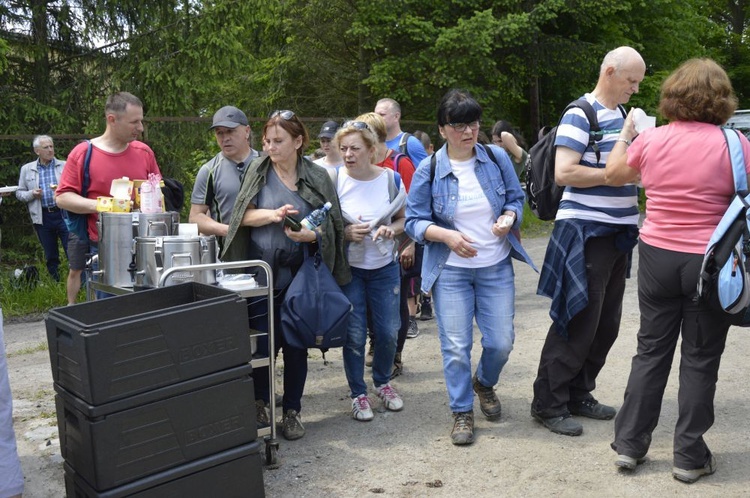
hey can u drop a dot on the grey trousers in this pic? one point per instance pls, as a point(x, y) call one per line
point(666, 287)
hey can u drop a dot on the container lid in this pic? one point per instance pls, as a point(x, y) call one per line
point(122, 188)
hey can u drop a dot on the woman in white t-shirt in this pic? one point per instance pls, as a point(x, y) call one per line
point(372, 200)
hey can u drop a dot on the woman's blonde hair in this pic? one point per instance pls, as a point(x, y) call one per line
point(376, 124)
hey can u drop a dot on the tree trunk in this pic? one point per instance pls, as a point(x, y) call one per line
point(40, 50)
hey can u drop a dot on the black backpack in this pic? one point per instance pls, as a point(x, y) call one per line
point(542, 193)
point(174, 194)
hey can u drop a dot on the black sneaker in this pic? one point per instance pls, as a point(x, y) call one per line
point(426, 308)
point(591, 408)
point(413, 330)
point(562, 424)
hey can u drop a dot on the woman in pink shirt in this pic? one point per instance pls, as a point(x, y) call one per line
point(687, 175)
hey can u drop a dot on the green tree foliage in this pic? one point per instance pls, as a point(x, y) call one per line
point(730, 42)
point(522, 59)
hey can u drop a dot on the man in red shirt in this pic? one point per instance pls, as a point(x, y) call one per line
point(115, 154)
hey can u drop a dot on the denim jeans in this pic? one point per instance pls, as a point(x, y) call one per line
point(378, 290)
point(52, 230)
point(461, 295)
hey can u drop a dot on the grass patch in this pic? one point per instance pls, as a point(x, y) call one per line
point(532, 226)
point(42, 346)
point(19, 300)
point(41, 394)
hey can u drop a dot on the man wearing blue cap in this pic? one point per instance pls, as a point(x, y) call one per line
point(218, 180)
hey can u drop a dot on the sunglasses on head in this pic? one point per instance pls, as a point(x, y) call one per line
point(285, 115)
point(357, 125)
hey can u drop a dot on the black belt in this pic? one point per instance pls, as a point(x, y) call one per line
point(53, 209)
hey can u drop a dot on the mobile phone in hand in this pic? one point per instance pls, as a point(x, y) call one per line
point(292, 224)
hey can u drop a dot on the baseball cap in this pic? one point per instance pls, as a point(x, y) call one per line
point(328, 130)
point(229, 117)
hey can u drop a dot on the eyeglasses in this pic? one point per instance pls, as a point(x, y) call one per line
point(357, 125)
point(461, 127)
point(285, 115)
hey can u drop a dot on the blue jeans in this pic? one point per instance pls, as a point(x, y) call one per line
point(49, 232)
point(460, 295)
point(378, 290)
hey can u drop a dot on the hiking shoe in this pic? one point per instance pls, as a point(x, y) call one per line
point(361, 409)
point(390, 397)
point(692, 475)
point(591, 408)
point(413, 330)
point(370, 355)
point(398, 366)
point(291, 425)
point(261, 414)
point(426, 308)
point(626, 462)
point(463, 428)
point(562, 424)
point(488, 402)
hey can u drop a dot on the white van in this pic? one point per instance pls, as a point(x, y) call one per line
point(741, 121)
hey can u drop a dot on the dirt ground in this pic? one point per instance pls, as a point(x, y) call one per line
point(409, 453)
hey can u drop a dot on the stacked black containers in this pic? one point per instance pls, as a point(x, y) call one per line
point(154, 395)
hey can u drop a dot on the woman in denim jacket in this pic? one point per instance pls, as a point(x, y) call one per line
point(465, 209)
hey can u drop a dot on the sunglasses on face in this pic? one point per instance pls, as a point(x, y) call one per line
point(461, 127)
point(285, 115)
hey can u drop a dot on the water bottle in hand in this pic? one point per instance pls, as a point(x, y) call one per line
point(314, 219)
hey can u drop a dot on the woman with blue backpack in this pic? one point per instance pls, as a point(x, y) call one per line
point(280, 185)
point(687, 175)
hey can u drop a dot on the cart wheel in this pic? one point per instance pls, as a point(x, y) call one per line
point(272, 449)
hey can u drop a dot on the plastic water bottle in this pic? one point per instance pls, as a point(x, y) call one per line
point(149, 203)
point(314, 219)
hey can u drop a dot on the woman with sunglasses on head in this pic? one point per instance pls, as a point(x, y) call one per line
point(284, 183)
point(463, 209)
point(372, 201)
point(407, 251)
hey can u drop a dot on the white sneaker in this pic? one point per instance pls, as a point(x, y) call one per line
point(361, 409)
point(390, 397)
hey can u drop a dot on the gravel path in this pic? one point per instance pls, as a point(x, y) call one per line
point(409, 453)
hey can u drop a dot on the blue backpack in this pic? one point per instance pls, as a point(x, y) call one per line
point(315, 311)
point(724, 282)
